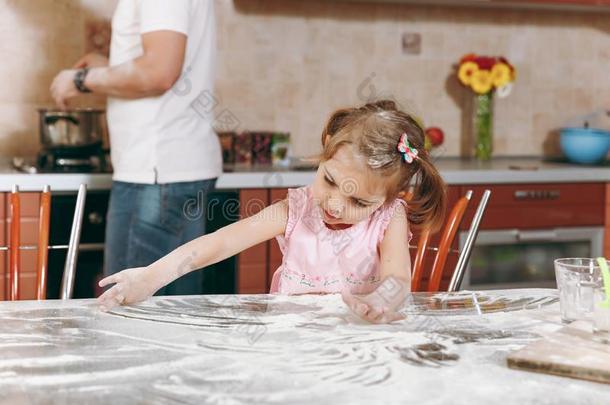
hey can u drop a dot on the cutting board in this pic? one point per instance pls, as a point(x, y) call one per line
point(569, 352)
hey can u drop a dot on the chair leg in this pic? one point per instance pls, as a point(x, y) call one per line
point(67, 283)
point(460, 268)
point(14, 244)
point(44, 219)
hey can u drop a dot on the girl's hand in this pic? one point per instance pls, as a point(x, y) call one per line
point(130, 286)
point(382, 305)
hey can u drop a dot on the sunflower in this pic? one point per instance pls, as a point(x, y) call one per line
point(482, 81)
point(501, 74)
point(466, 71)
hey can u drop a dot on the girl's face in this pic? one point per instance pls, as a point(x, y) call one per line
point(345, 188)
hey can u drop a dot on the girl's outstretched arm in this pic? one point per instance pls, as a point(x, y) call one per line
point(382, 305)
point(137, 284)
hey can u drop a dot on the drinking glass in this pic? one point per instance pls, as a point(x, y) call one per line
point(577, 279)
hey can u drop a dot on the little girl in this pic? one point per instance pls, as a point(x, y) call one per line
point(346, 233)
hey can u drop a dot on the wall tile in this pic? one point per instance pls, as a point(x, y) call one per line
point(287, 65)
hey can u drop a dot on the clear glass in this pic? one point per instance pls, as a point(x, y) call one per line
point(601, 316)
point(577, 278)
point(521, 262)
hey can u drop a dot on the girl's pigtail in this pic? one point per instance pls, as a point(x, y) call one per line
point(429, 202)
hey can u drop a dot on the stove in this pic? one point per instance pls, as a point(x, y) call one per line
point(89, 159)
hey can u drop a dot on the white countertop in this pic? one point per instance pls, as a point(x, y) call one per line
point(453, 170)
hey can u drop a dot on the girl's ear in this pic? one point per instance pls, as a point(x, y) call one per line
point(326, 139)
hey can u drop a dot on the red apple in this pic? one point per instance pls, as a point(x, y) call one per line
point(435, 135)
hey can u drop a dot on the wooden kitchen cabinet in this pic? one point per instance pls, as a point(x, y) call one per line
point(3, 242)
point(275, 254)
point(252, 263)
point(532, 206)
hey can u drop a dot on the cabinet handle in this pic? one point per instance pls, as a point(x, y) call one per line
point(537, 195)
point(537, 236)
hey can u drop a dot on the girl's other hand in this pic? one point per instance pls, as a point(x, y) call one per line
point(382, 305)
point(130, 286)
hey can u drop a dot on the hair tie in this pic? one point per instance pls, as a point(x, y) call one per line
point(408, 153)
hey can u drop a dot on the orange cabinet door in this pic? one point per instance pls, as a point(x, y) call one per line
point(253, 262)
point(534, 206)
point(275, 254)
point(3, 255)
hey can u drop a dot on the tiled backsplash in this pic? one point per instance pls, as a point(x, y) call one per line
point(285, 65)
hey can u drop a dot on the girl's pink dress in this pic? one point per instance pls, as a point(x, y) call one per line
point(321, 260)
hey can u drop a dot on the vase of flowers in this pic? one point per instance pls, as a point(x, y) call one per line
point(485, 76)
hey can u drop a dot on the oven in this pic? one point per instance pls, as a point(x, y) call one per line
point(90, 260)
point(526, 227)
point(514, 258)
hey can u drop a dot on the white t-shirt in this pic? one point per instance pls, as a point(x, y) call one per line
point(169, 138)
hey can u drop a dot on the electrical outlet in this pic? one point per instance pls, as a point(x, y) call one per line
point(97, 36)
point(411, 43)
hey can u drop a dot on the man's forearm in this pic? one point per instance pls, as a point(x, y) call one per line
point(134, 79)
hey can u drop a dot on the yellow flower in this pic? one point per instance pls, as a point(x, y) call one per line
point(466, 70)
point(501, 74)
point(482, 81)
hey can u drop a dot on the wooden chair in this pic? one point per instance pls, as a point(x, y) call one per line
point(448, 234)
point(42, 246)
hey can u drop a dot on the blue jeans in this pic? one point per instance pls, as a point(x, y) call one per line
point(147, 221)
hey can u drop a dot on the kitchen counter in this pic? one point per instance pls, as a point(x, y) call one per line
point(280, 349)
point(453, 170)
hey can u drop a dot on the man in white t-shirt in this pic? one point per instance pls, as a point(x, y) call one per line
point(164, 150)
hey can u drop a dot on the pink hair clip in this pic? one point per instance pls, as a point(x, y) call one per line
point(408, 153)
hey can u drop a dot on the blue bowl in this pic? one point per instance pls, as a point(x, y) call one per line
point(585, 145)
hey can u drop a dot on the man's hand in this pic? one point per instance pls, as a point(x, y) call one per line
point(130, 286)
point(383, 304)
point(91, 60)
point(63, 88)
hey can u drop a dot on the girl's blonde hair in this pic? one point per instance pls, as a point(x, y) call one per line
point(375, 130)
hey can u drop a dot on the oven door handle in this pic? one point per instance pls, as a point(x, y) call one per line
point(537, 236)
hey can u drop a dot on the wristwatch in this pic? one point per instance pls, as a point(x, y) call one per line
point(79, 80)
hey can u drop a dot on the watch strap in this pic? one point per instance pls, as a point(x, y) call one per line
point(79, 80)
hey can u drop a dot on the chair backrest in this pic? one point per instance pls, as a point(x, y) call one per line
point(42, 246)
point(14, 244)
point(44, 219)
point(471, 237)
point(448, 234)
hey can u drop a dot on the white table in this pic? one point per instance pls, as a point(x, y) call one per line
point(279, 349)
